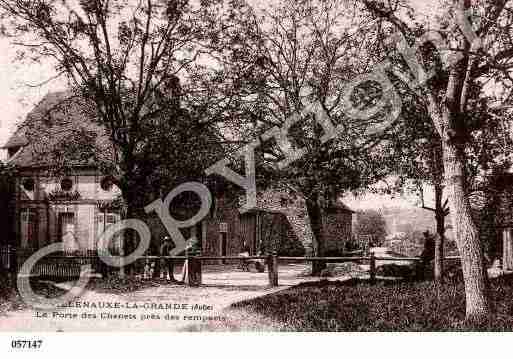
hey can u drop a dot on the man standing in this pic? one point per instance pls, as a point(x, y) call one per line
point(165, 250)
point(191, 270)
point(428, 254)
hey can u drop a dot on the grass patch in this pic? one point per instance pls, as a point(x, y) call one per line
point(7, 293)
point(356, 305)
point(11, 300)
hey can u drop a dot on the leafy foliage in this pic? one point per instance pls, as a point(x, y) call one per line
point(371, 223)
point(128, 63)
point(281, 58)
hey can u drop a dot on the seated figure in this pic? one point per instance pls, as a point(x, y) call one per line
point(246, 264)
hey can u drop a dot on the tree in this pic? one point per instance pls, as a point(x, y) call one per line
point(418, 153)
point(450, 95)
point(371, 223)
point(290, 56)
point(419, 163)
point(126, 61)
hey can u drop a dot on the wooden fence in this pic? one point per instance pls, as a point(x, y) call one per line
point(67, 265)
point(193, 272)
point(63, 265)
point(6, 257)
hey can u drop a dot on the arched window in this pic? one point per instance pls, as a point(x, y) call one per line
point(28, 184)
point(66, 184)
point(106, 183)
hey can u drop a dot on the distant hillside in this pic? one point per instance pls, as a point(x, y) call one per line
point(408, 219)
point(411, 219)
point(406, 226)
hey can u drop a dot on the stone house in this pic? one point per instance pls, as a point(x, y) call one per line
point(337, 221)
point(279, 224)
point(74, 207)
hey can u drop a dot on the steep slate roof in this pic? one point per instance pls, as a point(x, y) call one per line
point(18, 139)
point(56, 117)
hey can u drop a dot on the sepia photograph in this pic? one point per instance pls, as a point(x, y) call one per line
point(270, 166)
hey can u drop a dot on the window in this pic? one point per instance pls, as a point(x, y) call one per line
point(106, 183)
point(66, 184)
point(11, 151)
point(67, 231)
point(28, 184)
point(104, 220)
point(29, 227)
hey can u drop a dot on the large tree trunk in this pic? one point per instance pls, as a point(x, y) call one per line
point(128, 236)
point(129, 241)
point(448, 117)
point(440, 234)
point(314, 209)
point(467, 236)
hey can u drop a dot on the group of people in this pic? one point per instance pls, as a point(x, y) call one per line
point(167, 265)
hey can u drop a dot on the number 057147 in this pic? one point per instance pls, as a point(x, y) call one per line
point(26, 344)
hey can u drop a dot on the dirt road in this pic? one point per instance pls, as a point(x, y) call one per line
point(164, 308)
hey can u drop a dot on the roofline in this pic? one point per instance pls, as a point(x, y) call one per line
point(338, 209)
point(6, 146)
point(13, 157)
point(38, 167)
point(266, 210)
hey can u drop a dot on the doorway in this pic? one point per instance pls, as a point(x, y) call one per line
point(67, 231)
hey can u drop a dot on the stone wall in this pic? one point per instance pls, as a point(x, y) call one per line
point(337, 225)
point(293, 207)
point(337, 222)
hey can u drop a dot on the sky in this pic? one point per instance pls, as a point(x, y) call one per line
point(375, 201)
point(18, 97)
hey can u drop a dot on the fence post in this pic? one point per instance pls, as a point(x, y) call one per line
point(12, 252)
point(193, 272)
point(372, 268)
point(122, 254)
point(272, 267)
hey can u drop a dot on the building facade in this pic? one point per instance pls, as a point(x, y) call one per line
point(72, 208)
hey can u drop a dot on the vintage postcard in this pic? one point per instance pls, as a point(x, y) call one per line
point(256, 166)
